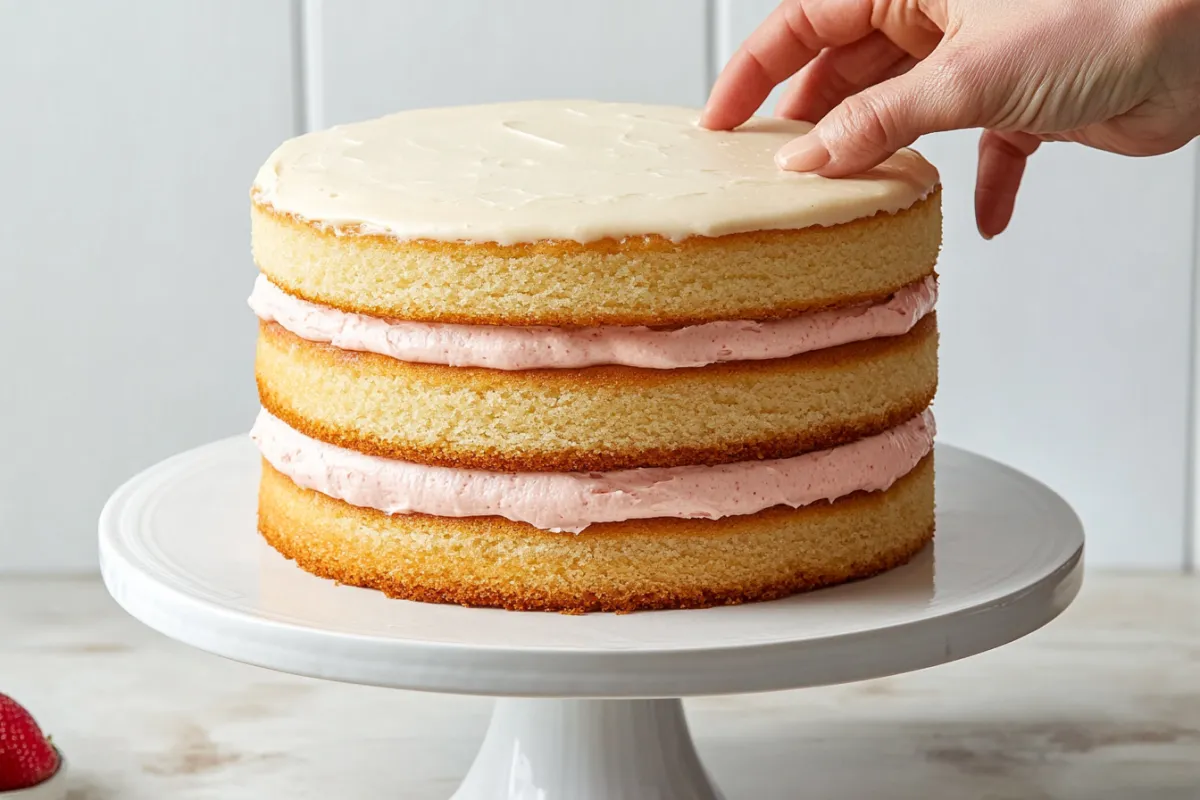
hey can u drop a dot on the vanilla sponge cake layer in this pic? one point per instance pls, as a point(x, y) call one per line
point(636, 280)
point(577, 212)
point(621, 566)
point(598, 418)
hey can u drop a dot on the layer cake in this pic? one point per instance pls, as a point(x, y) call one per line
point(583, 356)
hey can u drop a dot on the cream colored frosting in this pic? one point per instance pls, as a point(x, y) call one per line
point(569, 502)
point(567, 170)
point(516, 348)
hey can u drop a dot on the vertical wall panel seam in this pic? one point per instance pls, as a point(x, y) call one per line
point(713, 33)
point(1191, 534)
point(308, 51)
point(299, 76)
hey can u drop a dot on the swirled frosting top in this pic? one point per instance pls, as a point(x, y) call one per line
point(567, 170)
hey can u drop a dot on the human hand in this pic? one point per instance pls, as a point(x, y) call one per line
point(1118, 75)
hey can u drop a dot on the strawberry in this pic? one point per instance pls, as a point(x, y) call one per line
point(26, 756)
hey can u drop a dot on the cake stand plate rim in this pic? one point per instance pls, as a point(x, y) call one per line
point(142, 541)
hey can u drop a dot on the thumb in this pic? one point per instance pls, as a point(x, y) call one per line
point(937, 94)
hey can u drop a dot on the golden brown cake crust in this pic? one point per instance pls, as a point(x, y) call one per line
point(645, 280)
point(598, 418)
point(624, 566)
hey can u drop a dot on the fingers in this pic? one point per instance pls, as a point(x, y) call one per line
point(868, 127)
point(792, 36)
point(901, 67)
point(836, 74)
point(1002, 158)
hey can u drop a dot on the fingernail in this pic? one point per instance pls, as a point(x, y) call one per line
point(803, 155)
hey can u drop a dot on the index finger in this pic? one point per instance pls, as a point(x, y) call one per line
point(789, 38)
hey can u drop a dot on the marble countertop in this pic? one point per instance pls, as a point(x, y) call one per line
point(1104, 704)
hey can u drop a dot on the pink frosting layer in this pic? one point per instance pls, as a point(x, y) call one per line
point(572, 501)
point(515, 348)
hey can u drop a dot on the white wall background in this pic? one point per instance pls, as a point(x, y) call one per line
point(132, 130)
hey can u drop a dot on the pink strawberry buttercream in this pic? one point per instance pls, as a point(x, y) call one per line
point(570, 502)
point(517, 348)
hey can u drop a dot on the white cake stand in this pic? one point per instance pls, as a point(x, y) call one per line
point(179, 551)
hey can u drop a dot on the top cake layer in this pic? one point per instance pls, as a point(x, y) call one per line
point(579, 214)
point(566, 171)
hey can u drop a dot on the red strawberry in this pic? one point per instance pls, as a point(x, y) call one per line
point(26, 756)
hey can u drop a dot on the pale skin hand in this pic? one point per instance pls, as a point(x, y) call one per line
point(1118, 75)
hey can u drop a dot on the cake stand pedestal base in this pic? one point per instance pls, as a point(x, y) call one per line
point(587, 750)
